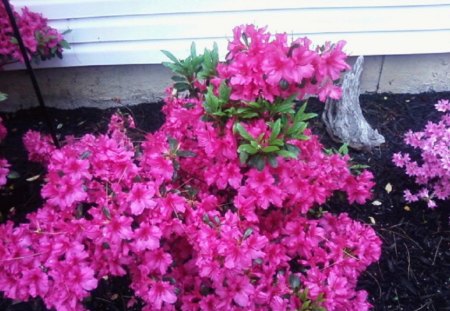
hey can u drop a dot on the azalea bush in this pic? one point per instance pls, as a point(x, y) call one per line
point(432, 170)
point(217, 210)
point(41, 41)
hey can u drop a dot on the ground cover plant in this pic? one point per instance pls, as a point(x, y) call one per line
point(218, 209)
point(433, 171)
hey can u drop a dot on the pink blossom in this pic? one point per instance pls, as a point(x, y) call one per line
point(141, 197)
point(161, 292)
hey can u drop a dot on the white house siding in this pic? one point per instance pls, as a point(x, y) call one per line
point(115, 32)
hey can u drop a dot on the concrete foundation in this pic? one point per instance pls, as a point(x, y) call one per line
point(109, 86)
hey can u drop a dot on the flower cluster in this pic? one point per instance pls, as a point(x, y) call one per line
point(39, 38)
point(433, 169)
point(184, 215)
point(258, 65)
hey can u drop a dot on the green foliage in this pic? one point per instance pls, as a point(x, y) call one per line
point(285, 121)
point(310, 305)
point(286, 125)
point(3, 96)
point(343, 150)
point(192, 68)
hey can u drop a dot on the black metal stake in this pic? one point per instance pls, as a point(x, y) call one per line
point(30, 71)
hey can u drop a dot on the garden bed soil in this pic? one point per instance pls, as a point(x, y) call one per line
point(414, 271)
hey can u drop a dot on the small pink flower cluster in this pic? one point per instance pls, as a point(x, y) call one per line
point(39, 38)
point(433, 170)
point(260, 66)
point(193, 226)
point(4, 165)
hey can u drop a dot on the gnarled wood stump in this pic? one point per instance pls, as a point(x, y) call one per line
point(344, 119)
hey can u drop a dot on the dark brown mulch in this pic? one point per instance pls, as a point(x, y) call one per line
point(414, 271)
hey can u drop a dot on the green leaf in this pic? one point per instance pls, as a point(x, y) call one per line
point(243, 132)
point(287, 154)
point(293, 149)
point(306, 304)
point(3, 96)
point(173, 144)
point(328, 151)
point(64, 44)
point(359, 166)
point(255, 144)
point(247, 149)
point(243, 157)
point(186, 154)
point(247, 233)
point(259, 162)
point(211, 101)
point(13, 40)
point(245, 38)
point(302, 108)
point(13, 175)
point(302, 116)
point(269, 149)
point(294, 281)
point(224, 92)
point(272, 159)
point(301, 137)
point(85, 155)
point(171, 66)
point(277, 142)
point(343, 149)
point(106, 212)
point(286, 106)
point(182, 86)
point(307, 116)
point(179, 79)
point(254, 105)
point(170, 56)
point(67, 31)
point(206, 219)
point(276, 128)
point(193, 50)
point(249, 115)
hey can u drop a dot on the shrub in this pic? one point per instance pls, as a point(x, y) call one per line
point(432, 171)
point(218, 210)
point(41, 41)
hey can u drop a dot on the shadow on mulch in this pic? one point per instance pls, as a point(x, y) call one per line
point(414, 271)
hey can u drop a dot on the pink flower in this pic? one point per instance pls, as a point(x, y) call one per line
point(161, 292)
point(141, 197)
point(36, 281)
point(443, 105)
point(146, 237)
point(157, 260)
point(4, 171)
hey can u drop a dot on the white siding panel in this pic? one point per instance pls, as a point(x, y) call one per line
point(60, 9)
point(147, 52)
point(114, 32)
point(219, 25)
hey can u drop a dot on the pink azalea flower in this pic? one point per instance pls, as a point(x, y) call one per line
point(161, 292)
point(141, 197)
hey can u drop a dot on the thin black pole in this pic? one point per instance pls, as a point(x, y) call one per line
point(37, 90)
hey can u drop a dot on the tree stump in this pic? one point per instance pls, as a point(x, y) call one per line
point(344, 119)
